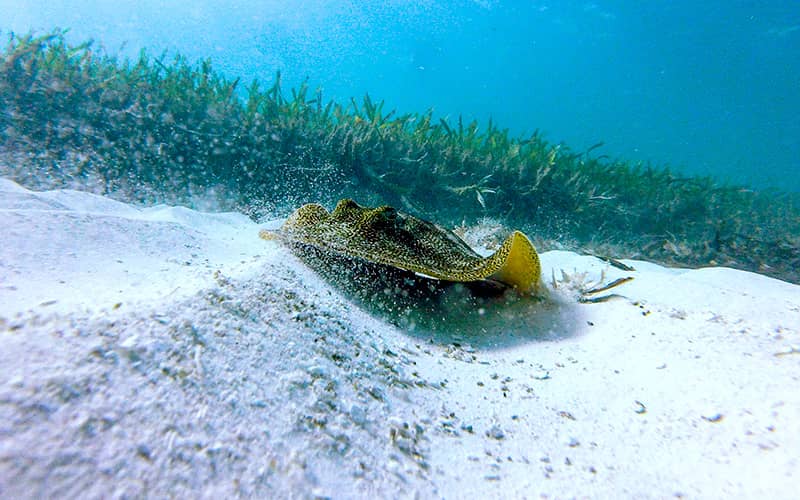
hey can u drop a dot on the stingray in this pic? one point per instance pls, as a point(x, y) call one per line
point(385, 236)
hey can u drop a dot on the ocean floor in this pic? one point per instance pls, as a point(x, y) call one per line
point(168, 352)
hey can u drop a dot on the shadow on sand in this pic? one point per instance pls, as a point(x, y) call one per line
point(485, 314)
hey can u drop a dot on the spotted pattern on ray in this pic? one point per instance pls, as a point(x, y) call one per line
point(385, 236)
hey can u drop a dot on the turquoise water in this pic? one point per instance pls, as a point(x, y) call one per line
point(704, 87)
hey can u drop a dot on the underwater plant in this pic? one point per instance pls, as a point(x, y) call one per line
point(164, 129)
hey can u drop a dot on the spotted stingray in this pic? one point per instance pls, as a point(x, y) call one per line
point(385, 236)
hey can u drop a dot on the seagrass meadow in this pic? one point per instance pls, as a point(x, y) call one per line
point(165, 129)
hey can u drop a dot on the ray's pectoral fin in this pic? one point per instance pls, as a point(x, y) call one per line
point(519, 264)
point(383, 236)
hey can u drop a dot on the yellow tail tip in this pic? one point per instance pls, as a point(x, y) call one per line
point(521, 269)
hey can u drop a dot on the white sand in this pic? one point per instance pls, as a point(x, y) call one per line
point(165, 351)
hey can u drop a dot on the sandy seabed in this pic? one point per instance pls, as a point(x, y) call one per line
point(168, 352)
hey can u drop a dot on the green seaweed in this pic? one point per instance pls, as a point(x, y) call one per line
point(164, 129)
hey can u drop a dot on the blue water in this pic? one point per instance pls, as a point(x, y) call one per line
point(709, 87)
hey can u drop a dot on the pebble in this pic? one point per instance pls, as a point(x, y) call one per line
point(495, 432)
point(358, 415)
point(130, 342)
point(144, 451)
